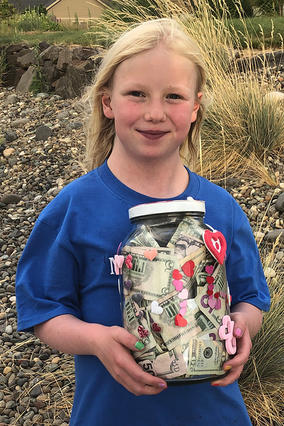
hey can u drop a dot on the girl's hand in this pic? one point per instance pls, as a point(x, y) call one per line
point(235, 365)
point(112, 347)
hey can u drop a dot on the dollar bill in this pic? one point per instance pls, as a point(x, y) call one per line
point(151, 278)
point(205, 357)
point(214, 315)
point(168, 365)
point(187, 237)
point(171, 334)
point(143, 237)
point(132, 321)
point(196, 256)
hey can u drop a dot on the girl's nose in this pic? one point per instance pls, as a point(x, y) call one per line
point(155, 113)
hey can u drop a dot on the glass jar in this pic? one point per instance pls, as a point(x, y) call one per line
point(175, 291)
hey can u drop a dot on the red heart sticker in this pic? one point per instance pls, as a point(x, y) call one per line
point(188, 268)
point(180, 321)
point(176, 274)
point(216, 244)
point(210, 280)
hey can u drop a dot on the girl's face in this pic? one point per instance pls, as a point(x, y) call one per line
point(153, 102)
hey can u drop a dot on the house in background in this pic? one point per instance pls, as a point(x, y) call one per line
point(68, 11)
point(65, 11)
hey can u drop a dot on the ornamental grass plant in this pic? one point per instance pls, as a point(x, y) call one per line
point(241, 125)
point(262, 381)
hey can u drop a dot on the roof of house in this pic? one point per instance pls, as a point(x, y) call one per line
point(21, 5)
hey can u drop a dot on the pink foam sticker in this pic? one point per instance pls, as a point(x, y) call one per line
point(216, 244)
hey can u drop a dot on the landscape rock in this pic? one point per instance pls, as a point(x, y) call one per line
point(274, 96)
point(26, 80)
point(10, 199)
point(43, 133)
point(27, 60)
point(8, 152)
point(10, 135)
point(279, 205)
point(274, 234)
point(11, 99)
point(64, 70)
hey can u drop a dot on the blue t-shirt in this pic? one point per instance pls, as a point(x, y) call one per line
point(65, 269)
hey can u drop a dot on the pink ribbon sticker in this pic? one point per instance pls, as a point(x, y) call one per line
point(226, 333)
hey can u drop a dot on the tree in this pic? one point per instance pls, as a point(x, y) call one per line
point(6, 10)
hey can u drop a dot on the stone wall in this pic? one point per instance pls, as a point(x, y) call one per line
point(64, 70)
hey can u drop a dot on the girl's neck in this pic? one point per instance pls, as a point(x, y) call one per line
point(152, 178)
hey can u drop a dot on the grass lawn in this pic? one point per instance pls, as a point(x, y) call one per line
point(263, 31)
point(32, 38)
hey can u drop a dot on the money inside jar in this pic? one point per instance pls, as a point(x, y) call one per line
point(175, 292)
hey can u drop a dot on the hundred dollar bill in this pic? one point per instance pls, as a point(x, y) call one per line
point(151, 278)
point(143, 237)
point(205, 357)
point(168, 365)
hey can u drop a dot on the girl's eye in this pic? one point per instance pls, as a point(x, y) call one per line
point(136, 93)
point(173, 96)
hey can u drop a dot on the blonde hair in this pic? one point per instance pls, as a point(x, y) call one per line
point(100, 129)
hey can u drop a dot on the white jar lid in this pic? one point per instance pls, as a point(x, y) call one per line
point(188, 205)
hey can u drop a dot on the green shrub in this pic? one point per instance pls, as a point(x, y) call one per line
point(33, 21)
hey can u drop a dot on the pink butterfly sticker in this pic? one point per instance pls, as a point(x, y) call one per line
point(226, 333)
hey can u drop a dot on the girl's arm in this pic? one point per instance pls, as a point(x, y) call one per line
point(248, 321)
point(111, 345)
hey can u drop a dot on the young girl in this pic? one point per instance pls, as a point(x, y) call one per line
point(147, 107)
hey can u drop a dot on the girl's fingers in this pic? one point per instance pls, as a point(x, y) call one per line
point(142, 386)
point(231, 377)
point(122, 366)
point(126, 339)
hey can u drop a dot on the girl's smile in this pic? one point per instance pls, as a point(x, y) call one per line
point(152, 134)
point(153, 102)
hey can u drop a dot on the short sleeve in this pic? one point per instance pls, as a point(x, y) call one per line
point(245, 274)
point(47, 278)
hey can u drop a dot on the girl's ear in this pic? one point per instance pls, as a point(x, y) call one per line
point(196, 107)
point(106, 103)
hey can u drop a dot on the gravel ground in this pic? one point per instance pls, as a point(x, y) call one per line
point(41, 138)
